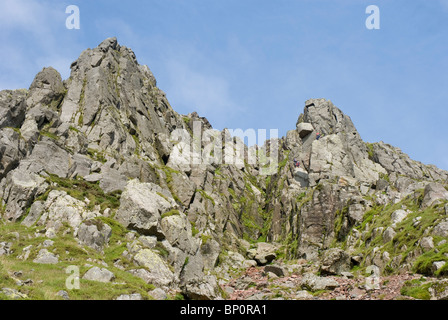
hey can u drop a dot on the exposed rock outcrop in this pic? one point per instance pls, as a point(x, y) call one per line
point(102, 158)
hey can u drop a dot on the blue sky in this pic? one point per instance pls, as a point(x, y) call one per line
point(252, 64)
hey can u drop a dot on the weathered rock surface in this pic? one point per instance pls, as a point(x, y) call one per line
point(179, 223)
point(141, 207)
point(334, 262)
point(99, 274)
point(314, 283)
point(94, 234)
point(46, 257)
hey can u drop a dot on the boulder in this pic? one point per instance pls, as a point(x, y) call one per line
point(94, 233)
point(20, 188)
point(13, 294)
point(210, 250)
point(303, 295)
point(398, 216)
point(278, 270)
point(5, 248)
point(427, 243)
point(441, 229)
point(437, 265)
point(157, 270)
point(177, 230)
point(304, 129)
point(334, 261)
point(388, 234)
point(434, 193)
point(314, 283)
point(99, 274)
point(60, 207)
point(46, 257)
point(36, 210)
point(63, 294)
point(264, 253)
point(141, 207)
point(158, 294)
point(205, 288)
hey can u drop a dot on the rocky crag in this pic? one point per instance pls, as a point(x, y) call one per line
point(98, 175)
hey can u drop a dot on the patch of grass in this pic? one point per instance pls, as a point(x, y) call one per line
point(204, 239)
point(49, 135)
point(205, 195)
point(370, 151)
point(49, 279)
point(161, 250)
point(424, 263)
point(194, 230)
point(96, 155)
point(417, 289)
point(170, 213)
point(137, 144)
point(169, 181)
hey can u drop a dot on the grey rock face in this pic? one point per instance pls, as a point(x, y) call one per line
point(12, 108)
point(12, 150)
point(111, 126)
point(20, 188)
point(301, 177)
point(37, 208)
point(395, 161)
point(47, 89)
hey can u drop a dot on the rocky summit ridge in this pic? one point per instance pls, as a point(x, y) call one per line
point(97, 175)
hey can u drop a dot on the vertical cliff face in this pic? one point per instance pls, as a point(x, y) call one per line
point(105, 148)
